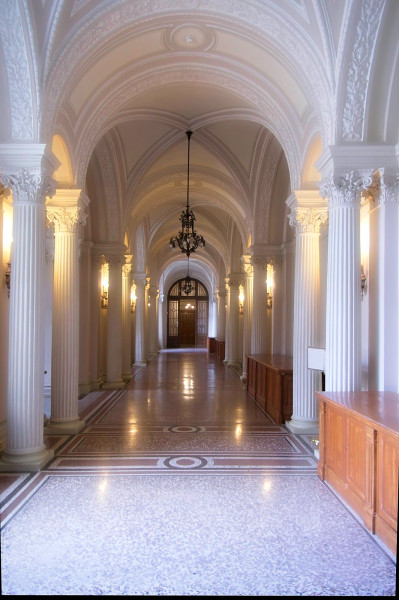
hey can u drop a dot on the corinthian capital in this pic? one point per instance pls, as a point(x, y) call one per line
point(308, 220)
point(65, 219)
point(28, 185)
point(345, 189)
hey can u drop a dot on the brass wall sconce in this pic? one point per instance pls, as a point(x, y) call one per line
point(8, 278)
point(104, 286)
point(241, 300)
point(133, 299)
point(104, 300)
point(269, 301)
point(269, 286)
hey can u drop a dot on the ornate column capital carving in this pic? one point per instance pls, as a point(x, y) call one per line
point(66, 219)
point(28, 185)
point(308, 220)
point(345, 189)
point(234, 280)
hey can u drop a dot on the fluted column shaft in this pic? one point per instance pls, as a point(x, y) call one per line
point(306, 219)
point(139, 347)
point(84, 317)
point(342, 360)
point(383, 284)
point(153, 295)
point(221, 315)
point(114, 377)
point(95, 320)
point(126, 322)
point(233, 356)
point(25, 449)
point(66, 216)
point(259, 314)
point(248, 303)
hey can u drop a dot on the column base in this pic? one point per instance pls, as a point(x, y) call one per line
point(302, 426)
point(69, 427)
point(243, 377)
point(140, 363)
point(113, 385)
point(127, 376)
point(25, 463)
point(84, 389)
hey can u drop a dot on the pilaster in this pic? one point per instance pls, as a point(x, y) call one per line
point(115, 260)
point(126, 318)
point(248, 303)
point(139, 347)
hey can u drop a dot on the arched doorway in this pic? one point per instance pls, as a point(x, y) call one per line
point(187, 323)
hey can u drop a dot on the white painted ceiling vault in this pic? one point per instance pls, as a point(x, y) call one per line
point(265, 86)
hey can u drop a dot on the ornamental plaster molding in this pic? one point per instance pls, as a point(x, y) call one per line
point(272, 24)
point(28, 185)
point(389, 188)
point(110, 190)
point(307, 220)
point(115, 262)
point(262, 206)
point(66, 219)
point(346, 189)
point(18, 72)
point(273, 116)
point(358, 74)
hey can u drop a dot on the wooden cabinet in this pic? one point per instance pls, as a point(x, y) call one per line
point(220, 349)
point(211, 345)
point(269, 383)
point(359, 455)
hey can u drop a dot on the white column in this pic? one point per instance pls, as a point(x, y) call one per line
point(95, 320)
point(383, 286)
point(342, 360)
point(25, 450)
point(84, 316)
point(66, 212)
point(114, 323)
point(227, 324)
point(248, 301)
point(153, 295)
point(139, 347)
point(233, 355)
point(160, 321)
point(308, 213)
point(221, 315)
point(259, 307)
point(126, 320)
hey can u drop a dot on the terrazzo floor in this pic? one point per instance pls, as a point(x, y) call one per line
point(180, 485)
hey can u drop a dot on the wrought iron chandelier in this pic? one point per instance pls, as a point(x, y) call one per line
point(187, 285)
point(187, 239)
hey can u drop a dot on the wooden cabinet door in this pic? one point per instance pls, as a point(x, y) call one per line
point(387, 488)
point(261, 379)
point(335, 444)
point(251, 377)
point(360, 467)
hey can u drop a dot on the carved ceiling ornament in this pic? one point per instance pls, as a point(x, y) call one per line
point(269, 25)
point(358, 75)
point(110, 191)
point(270, 112)
point(18, 71)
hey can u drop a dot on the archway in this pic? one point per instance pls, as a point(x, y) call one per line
point(187, 322)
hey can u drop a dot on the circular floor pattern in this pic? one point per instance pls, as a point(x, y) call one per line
point(184, 429)
point(186, 462)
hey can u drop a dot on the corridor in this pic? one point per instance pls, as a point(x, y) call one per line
point(180, 485)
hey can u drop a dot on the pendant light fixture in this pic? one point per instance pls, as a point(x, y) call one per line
point(187, 285)
point(187, 239)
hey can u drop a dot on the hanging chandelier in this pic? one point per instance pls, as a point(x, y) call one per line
point(187, 285)
point(187, 239)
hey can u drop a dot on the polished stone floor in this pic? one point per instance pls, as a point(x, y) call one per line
point(180, 485)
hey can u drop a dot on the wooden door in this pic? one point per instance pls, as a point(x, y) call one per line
point(187, 328)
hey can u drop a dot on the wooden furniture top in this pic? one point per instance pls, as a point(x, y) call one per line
point(278, 362)
point(380, 408)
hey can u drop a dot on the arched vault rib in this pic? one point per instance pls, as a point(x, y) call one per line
point(269, 113)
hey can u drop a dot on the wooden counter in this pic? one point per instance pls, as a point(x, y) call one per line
point(359, 455)
point(269, 384)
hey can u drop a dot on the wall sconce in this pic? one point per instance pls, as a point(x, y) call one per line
point(363, 282)
point(133, 299)
point(8, 278)
point(104, 286)
point(269, 287)
point(241, 300)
